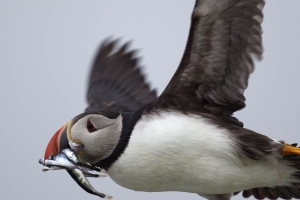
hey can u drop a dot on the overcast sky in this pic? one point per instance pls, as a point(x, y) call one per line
point(46, 48)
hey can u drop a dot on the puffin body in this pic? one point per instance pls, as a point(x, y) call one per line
point(187, 138)
point(171, 151)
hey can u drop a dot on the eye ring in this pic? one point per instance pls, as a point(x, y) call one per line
point(90, 126)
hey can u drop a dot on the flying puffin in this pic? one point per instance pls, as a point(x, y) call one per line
point(187, 138)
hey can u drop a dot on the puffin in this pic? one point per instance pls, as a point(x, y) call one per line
point(186, 139)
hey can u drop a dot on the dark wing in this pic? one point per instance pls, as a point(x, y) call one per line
point(116, 82)
point(213, 73)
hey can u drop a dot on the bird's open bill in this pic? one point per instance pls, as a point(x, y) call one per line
point(68, 160)
point(58, 142)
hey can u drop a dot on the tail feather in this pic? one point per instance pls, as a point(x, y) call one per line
point(273, 193)
point(291, 154)
point(294, 161)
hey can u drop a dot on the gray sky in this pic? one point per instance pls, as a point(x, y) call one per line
point(46, 48)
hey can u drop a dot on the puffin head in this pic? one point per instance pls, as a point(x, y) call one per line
point(92, 136)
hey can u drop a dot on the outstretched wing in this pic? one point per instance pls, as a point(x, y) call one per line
point(116, 82)
point(224, 37)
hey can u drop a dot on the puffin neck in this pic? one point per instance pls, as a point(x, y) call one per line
point(129, 120)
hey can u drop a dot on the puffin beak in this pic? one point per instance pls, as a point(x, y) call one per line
point(59, 141)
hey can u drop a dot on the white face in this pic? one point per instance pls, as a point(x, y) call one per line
point(98, 134)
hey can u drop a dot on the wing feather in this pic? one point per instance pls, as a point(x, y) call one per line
point(116, 82)
point(213, 74)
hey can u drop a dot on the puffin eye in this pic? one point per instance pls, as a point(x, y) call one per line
point(90, 127)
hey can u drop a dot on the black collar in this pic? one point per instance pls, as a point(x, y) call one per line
point(129, 120)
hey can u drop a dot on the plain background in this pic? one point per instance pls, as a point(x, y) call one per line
point(46, 48)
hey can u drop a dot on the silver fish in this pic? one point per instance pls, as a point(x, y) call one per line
point(78, 170)
point(73, 158)
point(68, 160)
point(82, 181)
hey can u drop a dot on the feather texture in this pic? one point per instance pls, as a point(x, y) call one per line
point(213, 73)
point(116, 82)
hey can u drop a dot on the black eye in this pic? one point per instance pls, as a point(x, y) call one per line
point(90, 127)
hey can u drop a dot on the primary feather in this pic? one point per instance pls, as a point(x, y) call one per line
point(116, 82)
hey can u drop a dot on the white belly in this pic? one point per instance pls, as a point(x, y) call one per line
point(176, 152)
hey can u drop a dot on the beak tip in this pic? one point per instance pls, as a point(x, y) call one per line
point(53, 147)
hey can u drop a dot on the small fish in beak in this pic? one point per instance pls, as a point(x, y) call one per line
point(82, 181)
point(68, 160)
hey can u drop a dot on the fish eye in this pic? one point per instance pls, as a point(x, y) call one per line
point(51, 157)
point(90, 126)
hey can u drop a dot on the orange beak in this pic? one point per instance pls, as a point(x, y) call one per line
point(58, 142)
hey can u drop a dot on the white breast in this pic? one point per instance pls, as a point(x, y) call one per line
point(171, 151)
